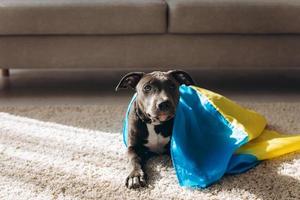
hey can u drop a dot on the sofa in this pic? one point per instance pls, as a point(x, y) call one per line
point(142, 34)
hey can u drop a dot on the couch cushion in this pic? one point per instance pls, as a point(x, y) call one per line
point(82, 16)
point(234, 16)
point(157, 51)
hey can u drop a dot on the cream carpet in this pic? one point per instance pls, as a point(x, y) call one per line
point(76, 152)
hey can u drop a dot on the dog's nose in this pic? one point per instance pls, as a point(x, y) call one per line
point(164, 106)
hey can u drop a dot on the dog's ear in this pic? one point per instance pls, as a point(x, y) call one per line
point(130, 80)
point(182, 77)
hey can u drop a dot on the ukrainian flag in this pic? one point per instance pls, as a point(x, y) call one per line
point(213, 136)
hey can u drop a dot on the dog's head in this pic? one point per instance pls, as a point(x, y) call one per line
point(157, 92)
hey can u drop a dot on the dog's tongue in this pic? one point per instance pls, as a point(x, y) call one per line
point(163, 117)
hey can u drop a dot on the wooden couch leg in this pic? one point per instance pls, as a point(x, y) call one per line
point(5, 72)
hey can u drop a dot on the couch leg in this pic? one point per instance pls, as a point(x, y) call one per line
point(5, 72)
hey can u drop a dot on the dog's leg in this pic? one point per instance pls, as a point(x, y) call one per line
point(137, 176)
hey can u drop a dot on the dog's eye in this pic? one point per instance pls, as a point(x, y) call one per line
point(147, 88)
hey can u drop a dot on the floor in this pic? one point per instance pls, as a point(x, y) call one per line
point(62, 161)
point(82, 87)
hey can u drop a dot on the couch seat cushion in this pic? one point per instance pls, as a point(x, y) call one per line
point(234, 16)
point(82, 16)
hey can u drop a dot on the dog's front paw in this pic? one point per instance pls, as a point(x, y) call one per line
point(136, 179)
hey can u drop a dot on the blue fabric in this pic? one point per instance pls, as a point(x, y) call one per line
point(203, 142)
point(125, 122)
point(240, 163)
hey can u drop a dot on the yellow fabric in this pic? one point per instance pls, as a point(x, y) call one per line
point(271, 144)
point(264, 144)
point(240, 118)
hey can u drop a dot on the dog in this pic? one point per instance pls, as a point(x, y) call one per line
point(150, 120)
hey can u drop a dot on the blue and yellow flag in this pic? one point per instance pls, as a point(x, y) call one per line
point(213, 136)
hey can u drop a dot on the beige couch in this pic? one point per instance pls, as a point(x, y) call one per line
point(146, 33)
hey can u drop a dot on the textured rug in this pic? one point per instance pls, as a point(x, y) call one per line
point(76, 152)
